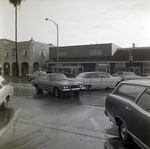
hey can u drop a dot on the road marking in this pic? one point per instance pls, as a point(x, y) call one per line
point(4, 129)
point(95, 124)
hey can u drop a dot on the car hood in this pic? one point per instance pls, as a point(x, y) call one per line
point(69, 82)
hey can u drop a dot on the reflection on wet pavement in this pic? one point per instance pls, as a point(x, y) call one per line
point(5, 117)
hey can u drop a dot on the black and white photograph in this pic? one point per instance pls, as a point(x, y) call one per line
point(75, 74)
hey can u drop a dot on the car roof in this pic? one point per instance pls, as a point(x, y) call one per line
point(94, 72)
point(49, 74)
point(143, 82)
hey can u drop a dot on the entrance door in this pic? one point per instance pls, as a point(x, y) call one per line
point(136, 70)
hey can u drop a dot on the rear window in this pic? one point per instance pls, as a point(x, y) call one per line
point(144, 100)
point(128, 91)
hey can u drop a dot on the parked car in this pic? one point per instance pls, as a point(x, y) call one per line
point(56, 83)
point(128, 107)
point(6, 93)
point(97, 80)
point(129, 75)
point(34, 75)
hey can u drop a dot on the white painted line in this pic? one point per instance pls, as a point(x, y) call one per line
point(94, 124)
point(4, 129)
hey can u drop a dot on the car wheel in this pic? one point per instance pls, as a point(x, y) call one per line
point(5, 104)
point(29, 79)
point(125, 138)
point(76, 93)
point(87, 87)
point(57, 92)
point(38, 90)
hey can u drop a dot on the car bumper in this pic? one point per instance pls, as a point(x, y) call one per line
point(71, 90)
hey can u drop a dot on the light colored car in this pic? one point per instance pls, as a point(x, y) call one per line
point(129, 75)
point(97, 80)
point(128, 107)
point(6, 93)
point(57, 83)
point(34, 75)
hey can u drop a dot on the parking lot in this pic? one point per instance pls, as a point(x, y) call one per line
point(45, 121)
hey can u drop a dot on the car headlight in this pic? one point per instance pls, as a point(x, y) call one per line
point(65, 87)
point(81, 85)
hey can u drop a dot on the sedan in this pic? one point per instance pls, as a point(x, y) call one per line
point(128, 107)
point(57, 83)
point(97, 80)
point(6, 93)
point(34, 75)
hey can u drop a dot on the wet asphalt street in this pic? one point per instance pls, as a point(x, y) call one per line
point(57, 123)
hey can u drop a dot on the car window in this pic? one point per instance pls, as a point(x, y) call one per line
point(4, 82)
point(95, 75)
point(103, 75)
point(128, 91)
point(52, 77)
point(46, 78)
point(41, 77)
point(144, 100)
point(36, 72)
point(85, 75)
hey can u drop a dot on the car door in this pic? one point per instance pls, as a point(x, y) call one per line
point(52, 82)
point(143, 131)
point(1, 94)
point(45, 83)
point(137, 120)
point(95, 81)
point(105, 80)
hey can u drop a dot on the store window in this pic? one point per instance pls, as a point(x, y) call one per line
point(13, 52)
point(24, 52)
point(6, 53)
point(146, 68)
point(62, 53)
point(120, 67)
point(95, 52)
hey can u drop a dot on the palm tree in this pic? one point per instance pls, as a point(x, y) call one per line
point(16, 3)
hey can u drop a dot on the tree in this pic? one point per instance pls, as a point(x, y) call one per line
point(16, 3)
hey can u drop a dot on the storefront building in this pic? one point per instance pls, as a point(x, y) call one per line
point(136, 59)
point(73, 60)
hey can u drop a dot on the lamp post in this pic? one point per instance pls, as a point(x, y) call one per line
point(57, 38)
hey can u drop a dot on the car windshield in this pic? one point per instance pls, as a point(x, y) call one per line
point(61, 77)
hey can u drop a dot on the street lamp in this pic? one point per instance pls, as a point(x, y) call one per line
point(57, 38)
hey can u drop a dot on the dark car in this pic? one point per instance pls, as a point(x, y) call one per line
point(128, 107)
point(56, 83)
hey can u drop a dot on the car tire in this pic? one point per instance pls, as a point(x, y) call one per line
point(29, 79)
point(87, 87)
point(57, 92)
point(124, 136)
point(38, 90)
point(5, 104)
point(76, 93)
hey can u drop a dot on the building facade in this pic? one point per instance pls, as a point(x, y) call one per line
point(76, 59)
point(135, 59)
point(31, 56)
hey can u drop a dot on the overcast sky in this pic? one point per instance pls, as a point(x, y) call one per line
point(80, 22)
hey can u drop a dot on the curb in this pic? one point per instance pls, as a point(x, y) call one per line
point(4, 129)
